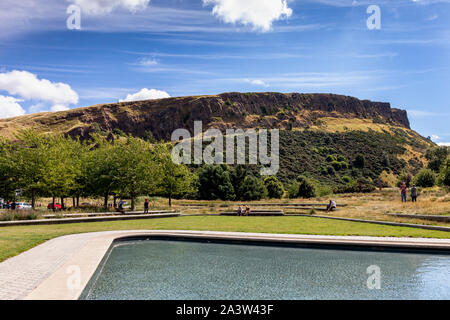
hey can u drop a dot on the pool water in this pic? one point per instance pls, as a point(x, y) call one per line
point(178, 270)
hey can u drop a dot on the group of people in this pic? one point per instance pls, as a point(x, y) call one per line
point(404, 192)
point(243, 211)
point(7, 205)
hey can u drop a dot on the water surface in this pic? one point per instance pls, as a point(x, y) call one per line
point(180, 270)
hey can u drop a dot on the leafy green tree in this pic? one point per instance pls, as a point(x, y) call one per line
point(406, 178)
point(7, 182)
point(137, 168)
point(436, 157)
point(274, 187)
point(214, 182)
point(426, 178)
point(360, 161)
point(444, 176)
point(62, 166)
point(302, 188)
point(175, 179)
point(306, 188)
point(253, 189)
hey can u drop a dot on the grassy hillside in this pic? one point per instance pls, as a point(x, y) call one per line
point(321, 135)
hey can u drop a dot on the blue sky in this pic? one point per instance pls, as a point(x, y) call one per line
point(131, 49)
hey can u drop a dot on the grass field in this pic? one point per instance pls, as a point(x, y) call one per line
point(14, 240)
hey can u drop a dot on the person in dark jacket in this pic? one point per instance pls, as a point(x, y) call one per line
point(414, 193)
point(146, 205)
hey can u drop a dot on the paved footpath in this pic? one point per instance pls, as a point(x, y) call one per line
point(21, 275)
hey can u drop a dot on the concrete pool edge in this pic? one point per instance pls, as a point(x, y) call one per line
point(72, 276)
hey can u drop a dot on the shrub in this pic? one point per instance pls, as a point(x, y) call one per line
point(359, 161)
point(274, 187)
point(404, 177)
point(444, 176)
point(306, 188)
point(436, 157)
point(426, 178)
point(253, 189)
point(215, 183)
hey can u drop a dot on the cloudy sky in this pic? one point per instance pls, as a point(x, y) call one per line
point(142, 49)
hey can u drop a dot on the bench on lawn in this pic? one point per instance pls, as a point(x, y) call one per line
point(265, 213)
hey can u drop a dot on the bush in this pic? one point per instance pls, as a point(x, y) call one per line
point(359, 161)
point(306, 188)
point(426, 178)
point(436, 157)
point(215, 183)
point(274, 187)
point(253, 189)
point(404, 177)
point(444, 176)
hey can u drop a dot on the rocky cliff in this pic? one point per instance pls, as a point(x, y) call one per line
point(228, 110)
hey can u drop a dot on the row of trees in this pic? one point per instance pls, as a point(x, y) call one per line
point(60, 167)
point(56, 166)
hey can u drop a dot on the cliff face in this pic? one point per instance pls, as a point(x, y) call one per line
point(228, 110)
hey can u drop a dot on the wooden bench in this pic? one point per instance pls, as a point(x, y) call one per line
point(261, 213)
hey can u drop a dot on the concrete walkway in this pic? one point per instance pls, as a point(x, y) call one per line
point(43, 272)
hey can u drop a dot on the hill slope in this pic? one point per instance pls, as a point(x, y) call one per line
point(318, 130)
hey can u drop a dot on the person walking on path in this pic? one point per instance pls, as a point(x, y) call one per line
point(414, 193)
point(404, 191)
point(146, 205)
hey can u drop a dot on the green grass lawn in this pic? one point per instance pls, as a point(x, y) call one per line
point(14, 240)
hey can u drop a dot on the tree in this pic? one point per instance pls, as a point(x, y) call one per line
point(253, 189)
point(137, 171)
point(444, 176)
point(406, 178)
point(436, 157)
point(7, 183)
point(62, 166)
point(360, 161)
point(302, 188)
point(274, 187)
point(175, 179)
point(426, 178)
point(99, 170)
point(214, 182)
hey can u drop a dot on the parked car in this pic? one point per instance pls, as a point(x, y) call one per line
point(57, 206)
point(23, 206)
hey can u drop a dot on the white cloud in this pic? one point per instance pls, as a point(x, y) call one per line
point(9, 107)
point(444, 144)
point(29, 87)
point(435, 137)
point(146, 94)
point(99, 7)
point(58, 107)
point(260, 14)
point(257, 82)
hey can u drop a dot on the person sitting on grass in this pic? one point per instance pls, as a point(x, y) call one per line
point(331, 206)
point(239, 211)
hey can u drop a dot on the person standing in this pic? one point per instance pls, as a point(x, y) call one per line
point(404, 191)
point(146, 205)
point(414, 193)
